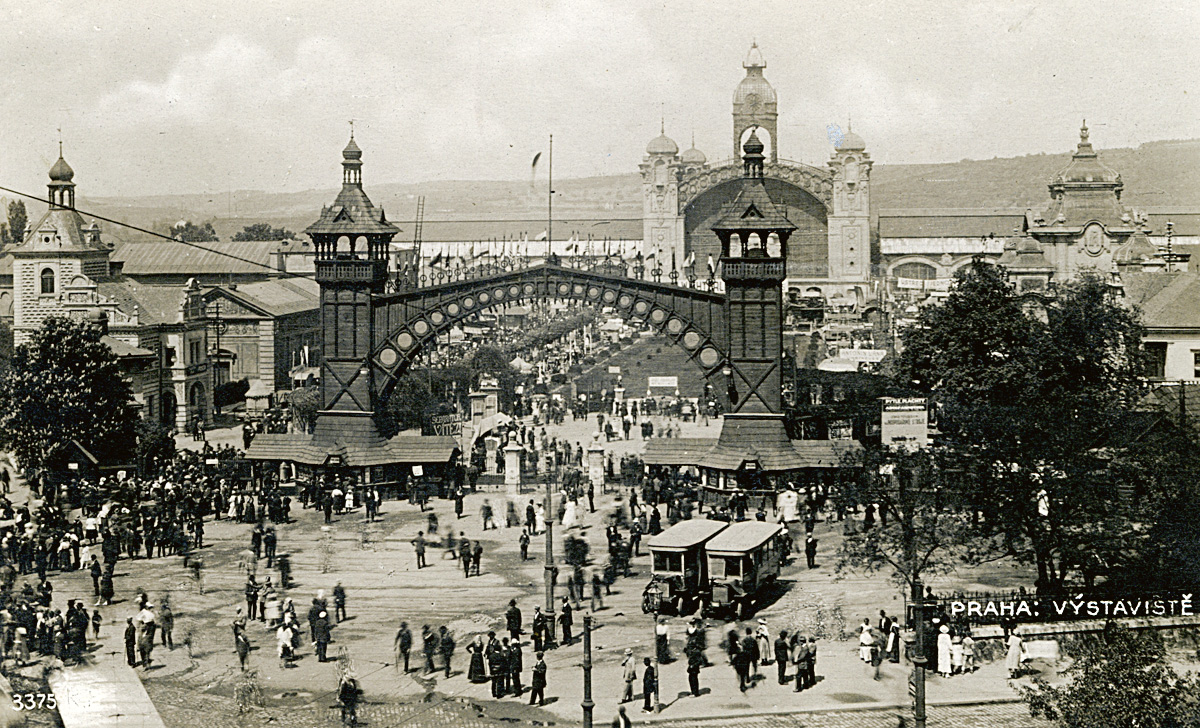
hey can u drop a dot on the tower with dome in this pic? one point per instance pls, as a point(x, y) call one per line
point(684, 194)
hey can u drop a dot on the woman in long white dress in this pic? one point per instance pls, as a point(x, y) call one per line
point(1013, 659)
point(569, 517)
point(539, 519)
point(866, 641)
point(943, 647)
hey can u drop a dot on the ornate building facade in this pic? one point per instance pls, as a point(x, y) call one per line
point(684, 194)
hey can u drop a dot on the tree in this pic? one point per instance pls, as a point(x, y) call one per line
point(65, 384)
point(409, 405)
point(305, 403)
point(1028, 405)
point(263, 231)
point(189, 232)
point(923, 527)
point(1123, 681)
point(155, 447)
point(18, 219)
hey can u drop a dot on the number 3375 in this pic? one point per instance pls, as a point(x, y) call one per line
point(34, 701)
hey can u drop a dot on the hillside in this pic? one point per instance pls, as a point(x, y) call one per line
point(1156, 174)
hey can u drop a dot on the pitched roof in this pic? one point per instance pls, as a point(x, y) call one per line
point(352, 213)
point(771, 448)
point(248, 257)
point(1167, 300)
point(743, 536)
point(752, 208)
point(60, 229)
point(276, 297)
point(356, 442)
point(685, 534)
point(153, 303)
point(123, 349)
point(677, 450)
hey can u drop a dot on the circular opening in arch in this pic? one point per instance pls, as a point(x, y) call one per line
point(468, 302)
point(421, 328)
point(437, 318)
point(709, 357)
point(625, 301)
point(388, 357)
point(658, 316)
point(610, 296)
point(691, 340)
point(674, 326)
point(453, 309)
point(405, 340)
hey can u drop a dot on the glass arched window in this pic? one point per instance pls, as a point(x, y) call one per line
point(47, 280)
point(919, 271)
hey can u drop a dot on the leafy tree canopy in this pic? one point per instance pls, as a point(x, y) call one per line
point(1123, 681)
point(190, 232)
point(263, 231)
point(65, 384)
point(14, 230)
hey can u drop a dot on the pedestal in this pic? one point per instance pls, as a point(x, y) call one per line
point(490, 445)
point(595, 460)
point(619, 394)
point(512, 468)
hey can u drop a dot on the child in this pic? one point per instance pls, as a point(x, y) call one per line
point(96, 620)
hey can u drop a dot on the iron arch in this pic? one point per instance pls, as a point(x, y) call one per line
point(407, 321)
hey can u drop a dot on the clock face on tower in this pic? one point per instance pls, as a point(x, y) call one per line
point(753, 102)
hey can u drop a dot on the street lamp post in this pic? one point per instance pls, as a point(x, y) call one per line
point(550, 568)
point(917, 681)
point(653, 603)
point(587, 703)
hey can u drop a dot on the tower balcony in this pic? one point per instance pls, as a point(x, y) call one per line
point(351, 271)
point(750, 269)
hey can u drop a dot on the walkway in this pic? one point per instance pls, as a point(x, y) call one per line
point(106, 694)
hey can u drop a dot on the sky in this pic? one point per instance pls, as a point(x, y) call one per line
point(199, 97)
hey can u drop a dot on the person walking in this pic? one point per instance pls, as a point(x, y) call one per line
point(537, 692)
point(629, 674)
point(750, 648)
point(649, 686)
point(241, 643)
point(348, 696)
point(763, 636)
point(495, 660)
point(810, 551)
point(945, 646)
point(419, 547)
point(429, 645)
point(781, 656)
point(446, 647)
point(621, 720)
point(516, 663)
point(695, 660)
point(464, 555)
point(321, 627)
point(477, 555)
point(810, 664)
point(523, 542)
point(662, 641)
point(96, 622)
point(167, 618)
point(538, 630)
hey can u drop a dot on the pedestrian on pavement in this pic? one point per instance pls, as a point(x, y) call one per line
point(662, 641)
point(968, 644)
point(810, 665)
point(621, 720)
point(649, 686)
point(167, 619)
point(96, 621)
point(800, 655)
point(130, 641)
point(538, 686)
point(591, 496)
point(810, 551)
point(486, 514)
point(1012, 660)
point(464, 555)
point(629, 674)
point(242, 644)
point(497, 668)
point(865, 641)
point(419, 547)
point(477, 555)
point(763, 636)
point(523, 541)
point(348, 695)
point(516, 663)
point(446, 647)
point(429, 645)
point(538, 630)
point(512, 620)
point(597, 588)
point(781, 656)
point(96, 571)
point(565, 620)
point(750, 647)
point(321, 627)
point(339, 603)
point(695, 661)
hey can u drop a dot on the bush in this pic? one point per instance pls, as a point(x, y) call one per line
point(228, 393)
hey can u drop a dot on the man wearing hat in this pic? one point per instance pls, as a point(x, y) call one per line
point(629, 673)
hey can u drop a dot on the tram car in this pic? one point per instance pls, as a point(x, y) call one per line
point(679, 568)
point(743, 562)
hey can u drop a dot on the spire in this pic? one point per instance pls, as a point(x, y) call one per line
point(1085, 145)
point(352, 162)
point(753, 158)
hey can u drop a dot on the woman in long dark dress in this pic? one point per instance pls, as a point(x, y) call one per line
point(476, 672)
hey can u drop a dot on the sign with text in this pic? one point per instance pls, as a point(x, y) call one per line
point(613, 369)
point(905, 422)
point(672, 382)
point(447, 425)
point(868, 355)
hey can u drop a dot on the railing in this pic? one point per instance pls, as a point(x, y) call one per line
point(765, 270)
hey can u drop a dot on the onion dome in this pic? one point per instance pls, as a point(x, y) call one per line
point(754, 89)
point(693, 156)
point(61, 171)
point(754, 58)
point(662, 144)
point(852, 142)
point(351, 152)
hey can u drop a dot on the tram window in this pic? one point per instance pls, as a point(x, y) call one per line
point(733, 567)
point(668, 562)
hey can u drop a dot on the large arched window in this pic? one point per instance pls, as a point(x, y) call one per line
point(47, 280)
point(919, 271)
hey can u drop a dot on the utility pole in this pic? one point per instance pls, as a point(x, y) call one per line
point(587, 703)
point(550, 202)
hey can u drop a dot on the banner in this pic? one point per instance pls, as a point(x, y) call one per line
point(915, 284)
point(905, 422)
point(868, 355)
point(672, 382)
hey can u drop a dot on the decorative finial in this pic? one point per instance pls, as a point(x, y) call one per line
point(849, 122)
point(1083, 132)
point(352, 128)
point(60, 142)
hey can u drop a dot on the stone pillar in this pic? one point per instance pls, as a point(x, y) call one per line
point(512, 468)
point(490, 445)
point(619, 394)
point(595, 460)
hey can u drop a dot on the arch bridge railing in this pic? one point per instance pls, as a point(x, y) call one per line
point(411, 319)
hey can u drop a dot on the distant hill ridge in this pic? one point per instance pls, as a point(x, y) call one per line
point(1156, 174)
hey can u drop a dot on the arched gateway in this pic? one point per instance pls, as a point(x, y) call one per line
point(370, 336)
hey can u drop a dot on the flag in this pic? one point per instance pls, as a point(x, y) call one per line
point(652, 254)
point(690, 260)
point(475, 255)
point(711, 268)
point(542, 235)
point(437, 260)
point(536, 157)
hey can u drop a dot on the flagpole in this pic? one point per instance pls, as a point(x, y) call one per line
point(550, 199)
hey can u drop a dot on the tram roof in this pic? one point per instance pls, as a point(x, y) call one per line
point(686, 534)
point(742, 537)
